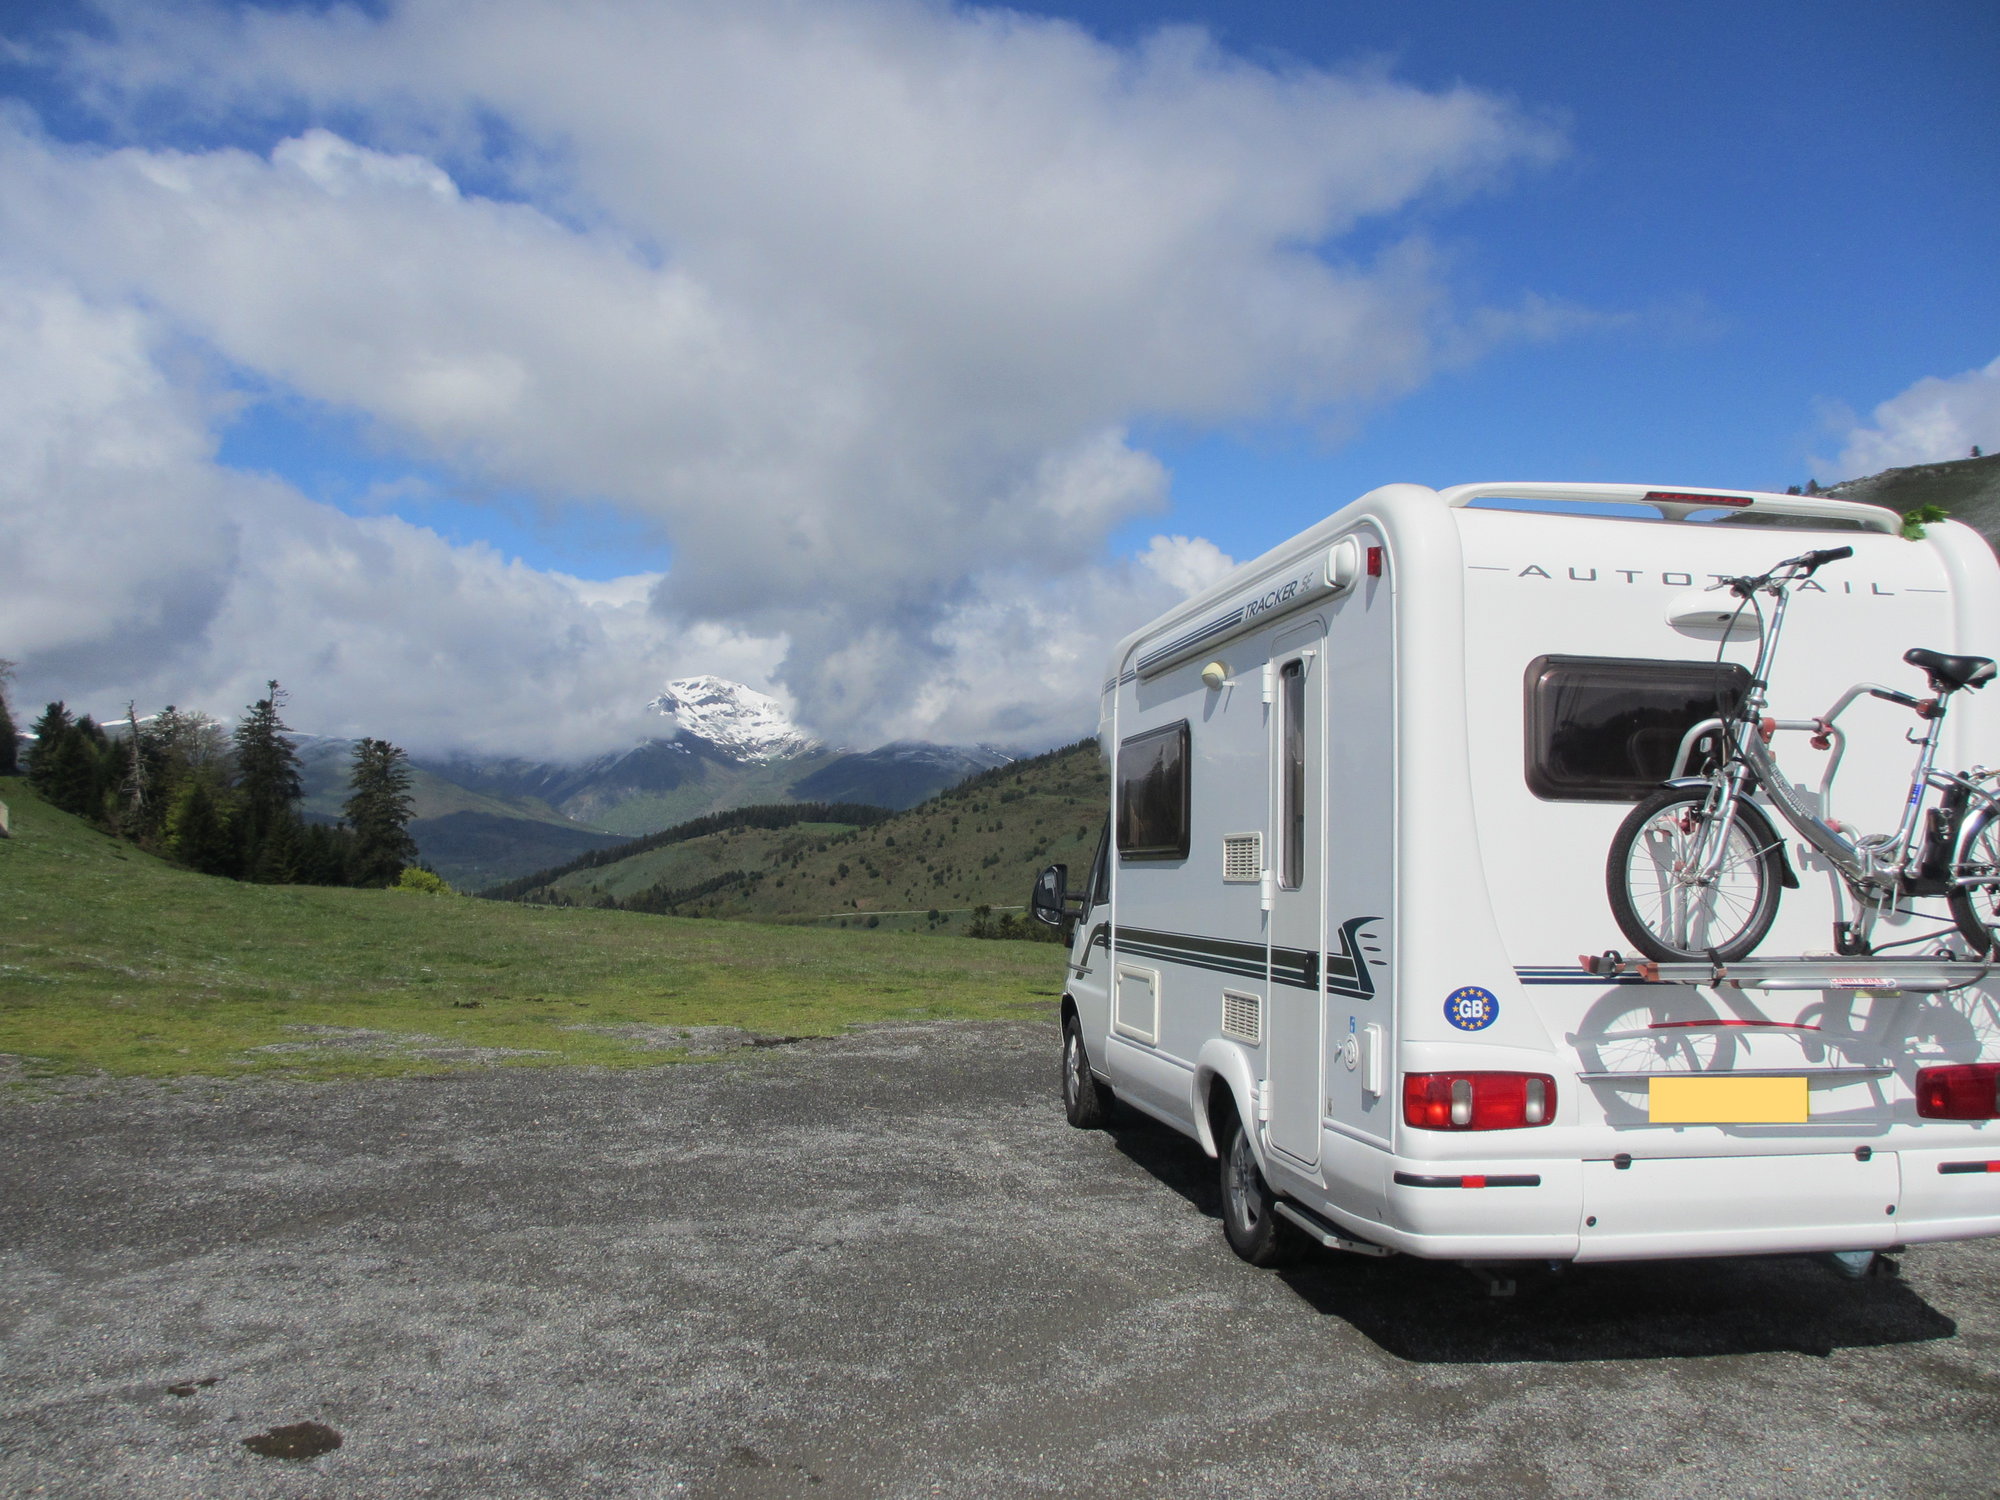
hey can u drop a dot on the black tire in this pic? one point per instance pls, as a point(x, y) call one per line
point(1729, 918)
point(1249, 1207)
point(1976, 909)
point(1086, 1102)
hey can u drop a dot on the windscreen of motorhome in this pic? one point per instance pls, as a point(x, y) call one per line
point(1153, 794)
point(1606, 729)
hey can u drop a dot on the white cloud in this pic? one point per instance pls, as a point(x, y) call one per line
point(854, 300)
point(1024, 660)
point(1934, 420)
point(1186, 564)
point(97, 450)
point(138, 569)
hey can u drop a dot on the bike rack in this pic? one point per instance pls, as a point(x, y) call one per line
point(1875, 974)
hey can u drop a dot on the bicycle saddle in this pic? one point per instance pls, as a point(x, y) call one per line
point(1948, 673)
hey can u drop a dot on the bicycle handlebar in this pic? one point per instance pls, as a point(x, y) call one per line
point(1802, 566)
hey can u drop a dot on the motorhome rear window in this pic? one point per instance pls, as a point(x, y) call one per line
point(1153, 794)
point(1606, 729)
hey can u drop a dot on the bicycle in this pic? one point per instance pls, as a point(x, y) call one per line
point(1695, 870)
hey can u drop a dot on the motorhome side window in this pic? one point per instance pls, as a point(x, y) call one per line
point(1606, 729)
point(1100, 869)
point(1153, 794)
point(1292, 692)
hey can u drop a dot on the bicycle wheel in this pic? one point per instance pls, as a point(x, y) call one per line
point(1661, 907)
point(1976, 909)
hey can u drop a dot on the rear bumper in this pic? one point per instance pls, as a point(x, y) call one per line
point(1666, 1207)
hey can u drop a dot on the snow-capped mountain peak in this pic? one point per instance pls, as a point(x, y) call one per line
point(748, 724)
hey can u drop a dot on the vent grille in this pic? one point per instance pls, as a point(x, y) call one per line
point(1242, 856)
point(1242, 1017)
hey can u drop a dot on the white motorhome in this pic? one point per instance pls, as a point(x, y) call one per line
point(1341, 928)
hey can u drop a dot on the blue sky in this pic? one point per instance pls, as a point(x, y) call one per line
point(972, 328)
point(1796, 208)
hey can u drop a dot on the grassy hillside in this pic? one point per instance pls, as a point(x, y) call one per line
point(576, 875)
point(978, 844)
point(113, 960)
point(716, 787)
point(695, 862)
point(1969, 488)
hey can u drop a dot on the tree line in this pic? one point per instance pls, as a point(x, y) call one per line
point(220, 802)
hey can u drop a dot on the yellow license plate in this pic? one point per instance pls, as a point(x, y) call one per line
point(1726, 1101)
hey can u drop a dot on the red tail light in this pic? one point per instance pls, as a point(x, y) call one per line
point(1478, 1101)
point(1964, 1091)
point(1675, 497)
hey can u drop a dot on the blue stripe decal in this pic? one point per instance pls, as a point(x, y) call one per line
point(1193, 638)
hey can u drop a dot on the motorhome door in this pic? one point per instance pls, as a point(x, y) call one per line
point(1090, 952)
point(1298, 910)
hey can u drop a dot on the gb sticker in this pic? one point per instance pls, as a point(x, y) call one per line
point(1471, 1008)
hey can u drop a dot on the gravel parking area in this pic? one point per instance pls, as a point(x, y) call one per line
point(877, 1265)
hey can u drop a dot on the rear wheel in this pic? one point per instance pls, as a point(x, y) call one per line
point(1667, 910)
point(1976, 908)
point(1086, 1102)
point(1249, 1207)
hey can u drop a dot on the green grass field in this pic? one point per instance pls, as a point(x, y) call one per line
point(112, 961)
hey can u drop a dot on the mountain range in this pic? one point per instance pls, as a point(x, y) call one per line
point(485, 819)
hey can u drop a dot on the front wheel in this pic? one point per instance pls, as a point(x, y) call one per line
point(1665, 906)
point(1976, 908)
point(1086, 1102)
point(1249, 1207)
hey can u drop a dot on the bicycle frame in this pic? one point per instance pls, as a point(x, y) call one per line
point(1875, 867)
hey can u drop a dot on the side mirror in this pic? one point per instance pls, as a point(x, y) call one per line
point(1048, 903)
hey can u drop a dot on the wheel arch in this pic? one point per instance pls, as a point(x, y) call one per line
point(1225, 1080)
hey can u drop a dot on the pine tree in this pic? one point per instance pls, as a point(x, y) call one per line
point(50, 730)
point(10, 737)
point(267, 777)
point(90, 772)
point(325, 853)
point(280, 857)
point(62, 765)
point(198, 831)
point(379, 812)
